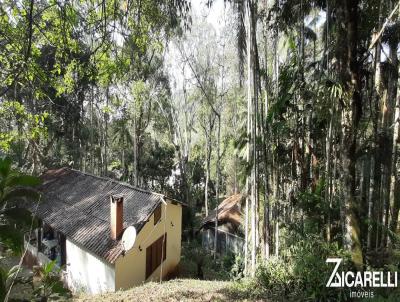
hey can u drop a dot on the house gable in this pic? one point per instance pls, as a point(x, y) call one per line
point(130, 269)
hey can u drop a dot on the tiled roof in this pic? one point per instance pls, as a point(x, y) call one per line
point(228, 210)
point(77, 204)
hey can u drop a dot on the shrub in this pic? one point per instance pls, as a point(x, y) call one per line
point(275, 276)
point(49, 284)
point(198, 263)
point(302, 273)
point(233, 263)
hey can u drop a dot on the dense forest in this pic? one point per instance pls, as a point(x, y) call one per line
point(292, 103)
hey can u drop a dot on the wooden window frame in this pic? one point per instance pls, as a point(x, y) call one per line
point(157, 214)
point(63, 248)
point(156, 253)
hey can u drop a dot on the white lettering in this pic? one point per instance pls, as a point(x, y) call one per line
point(349, 284)
point(375, 279)
point(334, 273)
point(367, 279)
point(383, 284)
point(359, 280)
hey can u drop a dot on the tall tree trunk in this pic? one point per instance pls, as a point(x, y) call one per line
point(246, 230)
point(91, 132)
point(135, 152)
point(217, 184)
point(208, 158)
point(328, 173)
point(264, 134)
point(387, 109)
point(394, 174)
point(253, 101)
point(106, 133)
point(249, 183)
point(276, 210)
point(371, 200)
point(349, 68)
point(375, 172)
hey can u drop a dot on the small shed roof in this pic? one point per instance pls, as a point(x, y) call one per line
point(229, 210)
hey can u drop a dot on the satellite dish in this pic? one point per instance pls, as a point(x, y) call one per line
point(129, 238)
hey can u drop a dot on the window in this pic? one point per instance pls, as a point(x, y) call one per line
point(157, 214)
point(154, 253)
point(63, 249)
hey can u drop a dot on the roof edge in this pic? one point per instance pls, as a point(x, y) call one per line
point(112, 180)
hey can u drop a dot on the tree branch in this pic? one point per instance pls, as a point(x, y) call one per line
point(377, 37)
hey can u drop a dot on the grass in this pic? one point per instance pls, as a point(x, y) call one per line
point(175, 290)
point(215, 286)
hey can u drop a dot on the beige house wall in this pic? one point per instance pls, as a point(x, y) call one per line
point(130, 269)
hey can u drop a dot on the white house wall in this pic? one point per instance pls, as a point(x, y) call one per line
point(86, 272)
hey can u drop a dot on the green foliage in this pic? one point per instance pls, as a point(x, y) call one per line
point(234, 265)
point(277, 275)
point(15, 184)
point(298, 275)
point(50, 285)
point(15, 187)
point(311, 270)
point(32, 126)
point(157, 164)
point(69, 54)
point(288, 84)
point(83, 82)
point(6, 278)
point(198, 263)
point(392, 296)
point(11, 237)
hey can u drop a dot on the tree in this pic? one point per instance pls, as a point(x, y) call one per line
point(349, 73)
point(15, 187)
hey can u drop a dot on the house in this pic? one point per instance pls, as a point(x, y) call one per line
point(82, 219)
point(229, 232)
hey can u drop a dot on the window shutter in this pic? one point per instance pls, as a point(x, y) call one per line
point(156, 253)
point(165, 247)
point(157, 214)
point(148, 261)
point(154, 257)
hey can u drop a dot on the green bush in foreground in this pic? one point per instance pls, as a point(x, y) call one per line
point(299, 275)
